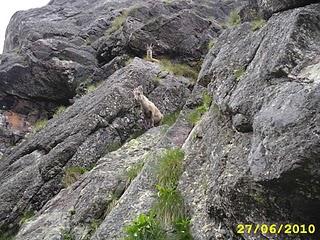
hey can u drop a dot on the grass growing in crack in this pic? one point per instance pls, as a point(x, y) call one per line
point(72, 174)
point(118, 22)
point(179, 69)
point(211, 44)
point(27, 215)
point(40, 124)
point(145, 227)
point(170, 168)
point(91, 88)
point(133, 171)
point(238, 73)
point(197, 113)
point(257, 24)
point(233, 19)
point(170, 119)
point(66, 235)
point(59, 110)
point(182, 229)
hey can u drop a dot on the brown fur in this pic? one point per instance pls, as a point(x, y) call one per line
point(152, 115)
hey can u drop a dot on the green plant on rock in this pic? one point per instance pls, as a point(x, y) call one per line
point(169, 206)
point(257, 24)
point(145, 227)
point(118, 22)
point(170, 119)
point(234, 19)
point(179, 69)
point(66, 235)
point(182, 229)
point(197, 113)
point(40, 124)
point(91, 88)
point(211, 44)
point(133, 171)
point(72, 174)
point(238, 73)
point(59, 110)
point(170, 168)
point(27, 215)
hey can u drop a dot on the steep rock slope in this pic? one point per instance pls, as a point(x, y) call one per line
point(250, 157)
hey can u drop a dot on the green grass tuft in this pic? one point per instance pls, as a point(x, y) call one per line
point(67, 235)
point(145, 227)
point(170, 118)
point(133, 171)
point(91, 88)
point(40, 124)
point(182, 229)
point(179, 69)
point(72, 174)
point(257, 24)
point(169, 207)
point(118, 22)
point(170, 168)
point(238, 73)
point(27, 215)
point(234, 19)
point(197, 113)
point(211, 44)
point(59, 110)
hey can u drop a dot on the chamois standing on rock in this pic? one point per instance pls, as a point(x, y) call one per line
point(150, 54)
point(151, 114)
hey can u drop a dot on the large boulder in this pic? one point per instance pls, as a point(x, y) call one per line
point(257, 158)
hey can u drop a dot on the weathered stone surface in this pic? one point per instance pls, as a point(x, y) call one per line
point(31, 172)
point(263, 176)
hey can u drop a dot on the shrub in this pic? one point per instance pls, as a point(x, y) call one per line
point(72, 174)
point(197, 113)
point(118, 22)
point(211, 44)
point(170, 119)
point(179, 69)
point(257, 24)
point(234, 19)
point(59, 110)
point(238, 73)
point(40, 124)
point(145, 227)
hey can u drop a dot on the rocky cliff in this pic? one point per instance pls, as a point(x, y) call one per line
point(238, 83)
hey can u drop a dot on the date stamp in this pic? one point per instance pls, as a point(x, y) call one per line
point(276, 229)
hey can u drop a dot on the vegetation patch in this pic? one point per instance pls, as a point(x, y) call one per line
point(72, 174)
point(91, 88)
point(257, 24)
point(179, 69)
point(197, 113)
point(40, 124)
point(133, 171)
point(59, 110)
point(111, 147)
point(171, 118)
point(211, 44)
point(234, 19)
point(118, 22)
point(168, 212)
point(238, 73)
point(145, 227)
point(66, 235)
point(27, 215)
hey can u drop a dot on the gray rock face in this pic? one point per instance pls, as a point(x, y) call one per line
point(93, 126)
point(263, 176)
point(252, 158)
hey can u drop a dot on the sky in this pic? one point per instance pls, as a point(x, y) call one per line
point(8, 8)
